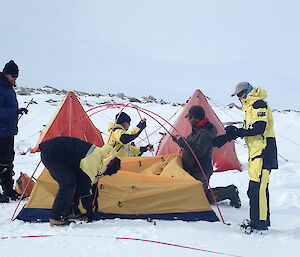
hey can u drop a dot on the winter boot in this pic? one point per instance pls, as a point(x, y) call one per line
point(248, 228)
point(76, 215)
point(235, 200)
point(245, 227)
point(59, 223)
point(7, 184)
point(230, 193)
point(11, 193)
point(3, 198)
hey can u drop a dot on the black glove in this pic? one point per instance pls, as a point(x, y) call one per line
point(146, 148)
point(141, 125)
point(221, 140)
point(150, 148)
point(143, 149)
point(231, 129)
point(112, 167)
point(175, 138)
point(22, 111)
point(235, 132)
point(241, 132)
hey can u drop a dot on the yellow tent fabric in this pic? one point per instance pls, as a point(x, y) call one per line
point(143, 186)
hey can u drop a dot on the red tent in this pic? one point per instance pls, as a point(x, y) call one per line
point(224, 158)
point(70, 120)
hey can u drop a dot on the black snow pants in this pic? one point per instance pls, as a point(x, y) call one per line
point(221, 193)
point(7, 155)
point(65, 176)
point(256, 196)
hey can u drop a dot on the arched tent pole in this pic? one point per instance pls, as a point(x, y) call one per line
point(134, 107)
point(96, 191)
point(145, 128)
point(108, 119)
point(12, 217)
point(115, 120)
point(198, 163)
point(159, 127)
point(109, 106)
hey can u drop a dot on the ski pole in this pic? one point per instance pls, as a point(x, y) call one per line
point(29, 103)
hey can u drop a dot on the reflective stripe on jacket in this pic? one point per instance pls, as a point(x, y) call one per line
point(262, 145)
point(76, 153)
point(95, 163)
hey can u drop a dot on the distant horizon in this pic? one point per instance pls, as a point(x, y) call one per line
point(132, 96)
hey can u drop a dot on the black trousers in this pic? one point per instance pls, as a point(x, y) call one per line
point(220, 193)
point(7, 155)
point(65, 176)
point(256, 194)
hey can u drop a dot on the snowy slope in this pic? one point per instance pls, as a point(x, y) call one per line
point(207, 239)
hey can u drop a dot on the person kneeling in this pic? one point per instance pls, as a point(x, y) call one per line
point(200, 141)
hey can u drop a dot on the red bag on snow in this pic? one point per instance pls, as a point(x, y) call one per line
point(22, 182)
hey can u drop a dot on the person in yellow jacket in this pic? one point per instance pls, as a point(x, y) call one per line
point(75, 165)
point(122, 140)
point(258, 131)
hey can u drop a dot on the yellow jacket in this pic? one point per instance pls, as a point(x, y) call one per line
point(262, 145)
point(123, 150)
point(95, 163)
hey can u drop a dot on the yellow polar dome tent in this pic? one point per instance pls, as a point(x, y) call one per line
point(145, 187)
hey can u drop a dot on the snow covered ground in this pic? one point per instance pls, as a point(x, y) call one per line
point(114, 238)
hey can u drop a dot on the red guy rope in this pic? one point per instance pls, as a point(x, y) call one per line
point(126, 238)
point(144, 129)
point(198, 163)
point(145, 111)
point(12, 218)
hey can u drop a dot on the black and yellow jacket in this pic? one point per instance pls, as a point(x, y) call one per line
point(78, 154)
point(120, 140)
point(87, 161)
point(259, 129)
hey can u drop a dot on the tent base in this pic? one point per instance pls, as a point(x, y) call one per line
point(42, 215)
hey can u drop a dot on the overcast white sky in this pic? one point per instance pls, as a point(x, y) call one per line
point(166, 48)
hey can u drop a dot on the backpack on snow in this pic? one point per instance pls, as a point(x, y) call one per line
point(22, 182)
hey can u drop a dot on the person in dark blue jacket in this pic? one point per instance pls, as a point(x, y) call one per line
point(9, 111)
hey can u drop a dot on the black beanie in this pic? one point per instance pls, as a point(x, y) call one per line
point(11, 68)
point(197, 112)
point(122, 117)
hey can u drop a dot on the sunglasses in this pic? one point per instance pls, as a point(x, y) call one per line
point(241, 93)
point(14, 75)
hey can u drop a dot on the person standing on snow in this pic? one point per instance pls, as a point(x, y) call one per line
point(75, 165)
point(8, 129)
point(200, 142)
point(258, 131)
point(122, 140)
